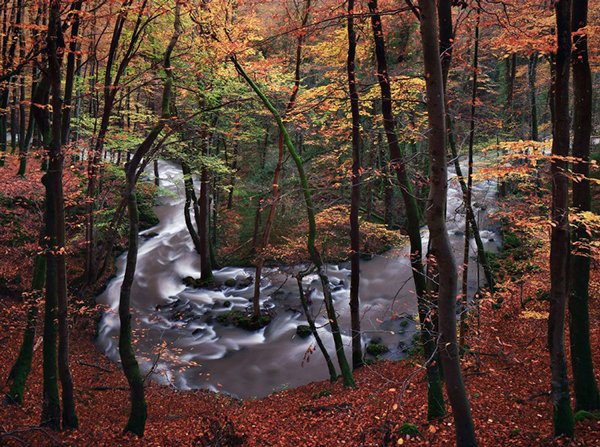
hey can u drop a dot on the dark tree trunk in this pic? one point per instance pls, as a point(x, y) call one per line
point(70, 75)
point(586, 388)
point(559, 239)
point(357, 357)
point(206, 274)
point(531, 78)
point(137, 416)
point(440, 243)
point(313, 328)
point(189, 196)
point(435, 397)
point(469, 193)
point(156, 172)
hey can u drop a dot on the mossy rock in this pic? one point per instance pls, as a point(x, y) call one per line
point(189, 281)
point(376, 348)
point(242, 320)
point(226, 303)
point(230, 282)
point(303, 331)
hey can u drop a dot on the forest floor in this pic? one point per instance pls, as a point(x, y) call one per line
point(508, 387)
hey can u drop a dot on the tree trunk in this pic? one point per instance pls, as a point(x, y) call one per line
point(20, 370)
point(313, 329)
point(531, 77)
point(559, 239)
point(357, 356)
point(206, 274)
point(276, 174)
point(435, 397)
point(189, 194)
point(586, 388)
point(440, 243)
point(468, 195)
point(315, 256)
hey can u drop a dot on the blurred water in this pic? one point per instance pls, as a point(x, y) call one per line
point(176, 324)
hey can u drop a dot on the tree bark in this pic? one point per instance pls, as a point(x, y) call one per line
point(586, 388)
point(189, 195)
point(357, 356)
point(440, 243)
point(559, 239)
point(435, 397)
point(531, 79)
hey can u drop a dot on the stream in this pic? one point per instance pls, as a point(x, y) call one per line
point(175, 328)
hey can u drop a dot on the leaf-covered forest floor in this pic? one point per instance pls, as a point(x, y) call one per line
point(509, 393)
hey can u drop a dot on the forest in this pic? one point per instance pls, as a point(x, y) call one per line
point(299, 223)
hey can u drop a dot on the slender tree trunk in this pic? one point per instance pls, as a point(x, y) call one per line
point(469, 194)
point(313, 328)
point(206, 274)
point(559, 239)
point(435, 397)
point(586, 387)
point(357, 357)
point(20, 370)
point(189, 193)
point(138, 413)
point(276, 175)
point(531, 79)
point(156, 172)
point(315, 256)
point(440, 243)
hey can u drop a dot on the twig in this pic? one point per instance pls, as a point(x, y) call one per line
point(91, 365)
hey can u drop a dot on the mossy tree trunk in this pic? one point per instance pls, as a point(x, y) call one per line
point(275, 195)
point(314, 254)
point(20, 370)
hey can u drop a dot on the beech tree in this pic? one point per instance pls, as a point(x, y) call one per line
point(440, 245)
point(559, 239)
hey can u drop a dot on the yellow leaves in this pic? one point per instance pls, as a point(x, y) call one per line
point(432, 429)
point(534, 315)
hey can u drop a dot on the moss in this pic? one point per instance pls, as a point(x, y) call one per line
point(408, 429)
point(230, 282)
point(582, 415)
point(242, 320)
point(323, 393)
point(376, 348)
point(303, 331)
point(515, 432)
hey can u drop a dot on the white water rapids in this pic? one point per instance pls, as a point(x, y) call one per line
point(175, 326)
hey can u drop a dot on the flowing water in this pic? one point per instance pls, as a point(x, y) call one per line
point(175, 326)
